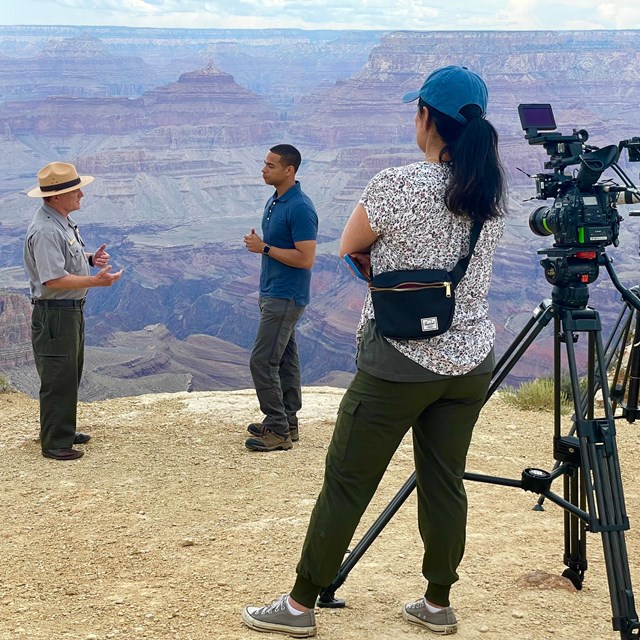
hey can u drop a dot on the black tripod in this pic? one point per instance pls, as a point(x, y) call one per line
point(586, 458)
point(624, 337)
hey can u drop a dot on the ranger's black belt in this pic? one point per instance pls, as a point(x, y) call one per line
point(75, 304)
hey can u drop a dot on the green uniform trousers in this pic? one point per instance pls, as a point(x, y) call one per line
point(373, 418)
point(57, 336)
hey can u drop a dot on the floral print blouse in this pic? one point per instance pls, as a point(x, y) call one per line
point(405, 208)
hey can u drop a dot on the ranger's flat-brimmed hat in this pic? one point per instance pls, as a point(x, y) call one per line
point(57, 178)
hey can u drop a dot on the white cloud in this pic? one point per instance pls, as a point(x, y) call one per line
point(622, 15)
point(508, 15)
point(607, 11)
point(332, 14)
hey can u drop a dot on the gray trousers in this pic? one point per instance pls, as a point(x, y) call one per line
point(275, 365)
point(57, 336)
point(373, 418)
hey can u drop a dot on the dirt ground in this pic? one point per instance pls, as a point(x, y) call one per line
point(168, 526)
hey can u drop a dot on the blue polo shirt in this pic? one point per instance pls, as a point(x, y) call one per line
point(286, 220)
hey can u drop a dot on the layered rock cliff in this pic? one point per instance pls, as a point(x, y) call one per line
point(590, 76)
point(80, 67)
point(15, 330)
point(206, 97)
point(178, 179)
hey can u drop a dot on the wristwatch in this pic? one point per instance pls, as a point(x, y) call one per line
point(266, 249)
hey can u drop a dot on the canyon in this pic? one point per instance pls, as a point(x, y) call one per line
point(174, 124)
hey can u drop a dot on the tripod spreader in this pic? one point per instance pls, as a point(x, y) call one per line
point(536, 480)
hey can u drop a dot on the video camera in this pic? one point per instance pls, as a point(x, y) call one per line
point(583, 214)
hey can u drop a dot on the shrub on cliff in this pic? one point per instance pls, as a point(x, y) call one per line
point(5, 384)
point(536, 395)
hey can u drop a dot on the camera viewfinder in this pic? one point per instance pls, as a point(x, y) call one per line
point(536, 116)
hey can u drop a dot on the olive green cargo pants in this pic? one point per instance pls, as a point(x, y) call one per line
point(373, 418)
point(57, 336)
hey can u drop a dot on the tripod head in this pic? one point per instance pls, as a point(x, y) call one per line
point(570, 271)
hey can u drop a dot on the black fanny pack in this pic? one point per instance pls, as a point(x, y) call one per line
point(414, 304)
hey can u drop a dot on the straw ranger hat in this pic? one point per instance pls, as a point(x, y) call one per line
point(57, 178)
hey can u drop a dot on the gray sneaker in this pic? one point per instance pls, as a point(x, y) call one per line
point(258, 429)
point(275, 618)
point(443, 621)
point(269, 441)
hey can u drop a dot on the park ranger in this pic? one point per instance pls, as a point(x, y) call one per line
point(59, 277)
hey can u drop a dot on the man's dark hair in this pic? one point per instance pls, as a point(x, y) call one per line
point(289, 155)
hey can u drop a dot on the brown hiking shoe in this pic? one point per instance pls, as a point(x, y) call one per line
point(258, 429)
point(269, 441)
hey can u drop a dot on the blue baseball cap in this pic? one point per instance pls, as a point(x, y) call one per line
point(450, 89)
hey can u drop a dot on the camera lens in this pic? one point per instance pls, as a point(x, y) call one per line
point(542, 221)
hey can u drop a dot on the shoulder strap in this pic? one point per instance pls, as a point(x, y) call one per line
point(457, 273)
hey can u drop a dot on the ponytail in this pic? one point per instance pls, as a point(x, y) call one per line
point(477, 186)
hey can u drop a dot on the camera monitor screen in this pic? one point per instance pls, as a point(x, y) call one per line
point(536, 116)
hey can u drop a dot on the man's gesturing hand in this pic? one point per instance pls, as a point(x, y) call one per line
point(101, 257)
point(105, 279)
point(254, 242)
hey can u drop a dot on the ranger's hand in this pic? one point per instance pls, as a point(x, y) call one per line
point(105, 279)
point(101, 257)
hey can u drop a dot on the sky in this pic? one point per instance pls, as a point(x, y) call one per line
point(387, 15)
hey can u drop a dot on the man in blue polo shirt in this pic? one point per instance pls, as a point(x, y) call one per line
point(289, 229)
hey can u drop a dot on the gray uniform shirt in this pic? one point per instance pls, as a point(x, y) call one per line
point(53, 248)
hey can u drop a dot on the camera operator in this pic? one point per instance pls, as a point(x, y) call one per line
point(413, 217)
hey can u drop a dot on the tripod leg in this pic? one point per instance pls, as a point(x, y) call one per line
point(616, 347)
point(599, 471)
point(327, 598)
point(540, 318)
point(575, 545)
point(630, 409)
